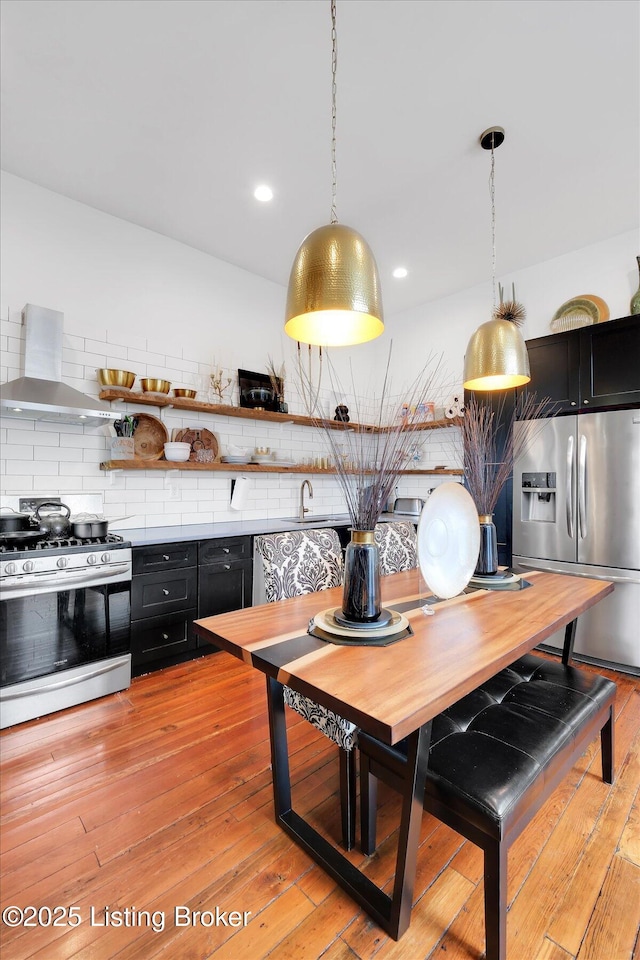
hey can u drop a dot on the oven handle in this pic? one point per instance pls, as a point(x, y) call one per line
point(32, 588)
point(69, 682)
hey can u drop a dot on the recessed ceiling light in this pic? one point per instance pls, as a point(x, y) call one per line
point(400, 272)
point(263, 193)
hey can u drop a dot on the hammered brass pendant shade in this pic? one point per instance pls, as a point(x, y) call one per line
point(496, 357)
point(334, 294)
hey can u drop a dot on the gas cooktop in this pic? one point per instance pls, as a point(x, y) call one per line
point(62, 544)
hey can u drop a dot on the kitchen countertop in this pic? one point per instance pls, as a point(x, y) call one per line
point(146, 536)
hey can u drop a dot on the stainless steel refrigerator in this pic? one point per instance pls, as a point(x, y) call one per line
point(576, 509)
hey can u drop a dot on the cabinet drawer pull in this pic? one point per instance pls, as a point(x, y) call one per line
point(165, 556)
point(225, 549)
point(165, 636)
point(226, 566)
point(165, 591)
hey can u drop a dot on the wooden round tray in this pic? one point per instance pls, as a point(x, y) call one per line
point(149, 437)
point(201, 439)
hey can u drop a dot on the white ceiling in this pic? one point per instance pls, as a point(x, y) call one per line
point(167, 113)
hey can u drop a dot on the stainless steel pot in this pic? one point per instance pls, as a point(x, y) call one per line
point(54, 524)
point(13, 522)
point(87, 526)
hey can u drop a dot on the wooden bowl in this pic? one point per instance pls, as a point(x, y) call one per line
point(115, 378)
point(183, 392)
point(155, 385)
point(149, 437)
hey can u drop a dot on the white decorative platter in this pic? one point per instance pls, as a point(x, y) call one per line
point(448, 540)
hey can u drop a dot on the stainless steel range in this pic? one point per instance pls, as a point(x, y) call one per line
point(65, 614)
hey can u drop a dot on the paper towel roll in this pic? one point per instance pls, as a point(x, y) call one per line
point(240, 493)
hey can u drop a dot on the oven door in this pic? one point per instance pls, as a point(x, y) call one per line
point(62, 648)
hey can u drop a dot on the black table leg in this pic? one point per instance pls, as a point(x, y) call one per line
point(393, 913)
point(569, 640)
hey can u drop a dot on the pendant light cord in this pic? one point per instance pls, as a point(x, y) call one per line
point(492, 194)
point(334, 68)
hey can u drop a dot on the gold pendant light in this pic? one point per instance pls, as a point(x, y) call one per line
point(334, 296)
point(496, 356)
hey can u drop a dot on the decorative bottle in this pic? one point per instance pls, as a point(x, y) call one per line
point(488, 555)
point(635, 299)
point(361, 599)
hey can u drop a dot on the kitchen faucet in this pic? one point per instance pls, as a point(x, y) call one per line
point(303, 509)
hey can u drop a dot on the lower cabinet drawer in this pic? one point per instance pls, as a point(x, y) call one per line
point(155, 594)
point(160, 637)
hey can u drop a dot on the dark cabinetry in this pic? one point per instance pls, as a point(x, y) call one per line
point(164, 601)
point(174, 584)
point(225, 576)
point(594, 367)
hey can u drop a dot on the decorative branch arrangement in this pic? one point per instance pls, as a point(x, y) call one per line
point(219, 383)
point(368, 463)
point(482, 429)
point(309, 390)
point(276, 376)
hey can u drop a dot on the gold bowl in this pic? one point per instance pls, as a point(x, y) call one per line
point(155, 385)
point(115, 378)
point(183, 392)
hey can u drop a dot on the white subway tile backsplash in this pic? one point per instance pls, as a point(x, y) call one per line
point(146, 356)
point(57, 456)
point(35, 467)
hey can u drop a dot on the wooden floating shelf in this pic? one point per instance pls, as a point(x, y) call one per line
point(248, 468)
point(120, 394)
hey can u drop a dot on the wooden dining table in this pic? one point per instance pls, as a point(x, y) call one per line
point(392, 692)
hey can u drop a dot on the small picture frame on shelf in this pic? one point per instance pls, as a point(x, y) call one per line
point(256, 391)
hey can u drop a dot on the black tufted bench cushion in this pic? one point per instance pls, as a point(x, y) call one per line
point(495, 757)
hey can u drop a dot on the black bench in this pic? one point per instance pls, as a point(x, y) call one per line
point(495, 757)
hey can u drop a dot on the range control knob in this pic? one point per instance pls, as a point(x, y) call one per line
point(62, 562)
point(28, 566)
point(11, 568)
point(92, 558)
point(106, 557)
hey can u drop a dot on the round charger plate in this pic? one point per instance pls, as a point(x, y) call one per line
point(494, 579)
point(448, 540)
point(580, 312)
point(383, 620)
point(326, 621)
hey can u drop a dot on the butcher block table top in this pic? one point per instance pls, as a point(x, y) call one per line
point(391, 691)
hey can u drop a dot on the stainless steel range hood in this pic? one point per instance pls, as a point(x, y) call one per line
point(40, 393)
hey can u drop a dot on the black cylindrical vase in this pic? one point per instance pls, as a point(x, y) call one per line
point(488, 554)
point(361, 602)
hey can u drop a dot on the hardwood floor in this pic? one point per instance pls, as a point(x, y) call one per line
point(160, 798)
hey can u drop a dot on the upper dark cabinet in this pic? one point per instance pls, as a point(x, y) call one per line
point(590, 368)
point(610, 363)
point(555, 367)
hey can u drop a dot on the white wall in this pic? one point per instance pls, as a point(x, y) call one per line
point(607, 269)
point(136, 300)
point(132, 298)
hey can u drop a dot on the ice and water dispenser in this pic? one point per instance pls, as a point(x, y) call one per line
point(539, 500)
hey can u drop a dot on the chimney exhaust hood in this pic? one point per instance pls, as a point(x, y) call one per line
point(40, 393)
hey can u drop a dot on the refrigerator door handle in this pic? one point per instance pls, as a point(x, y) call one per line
point(545, 568)
point(582, 486)
point(569, 485)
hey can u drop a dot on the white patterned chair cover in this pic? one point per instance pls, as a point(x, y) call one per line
point(397, 545)
point(295, 563)
point(300, 561)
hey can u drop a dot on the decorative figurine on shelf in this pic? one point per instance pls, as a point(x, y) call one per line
point(218, 384)
point(342, 413)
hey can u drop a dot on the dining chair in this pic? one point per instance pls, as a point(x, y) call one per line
point(295, 563)
point(397, 546)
